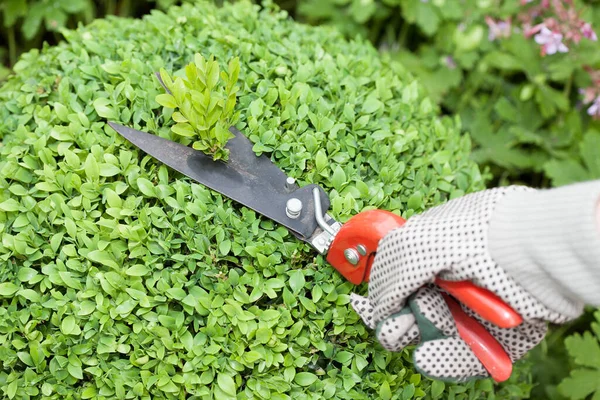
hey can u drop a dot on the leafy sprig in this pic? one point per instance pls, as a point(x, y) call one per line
point(585, 350)
point(205, 104)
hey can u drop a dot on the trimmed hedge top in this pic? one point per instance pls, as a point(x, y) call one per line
point(120, 278)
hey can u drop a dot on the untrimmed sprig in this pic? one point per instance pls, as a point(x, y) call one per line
point(204, 102)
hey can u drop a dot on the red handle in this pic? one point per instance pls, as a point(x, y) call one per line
point(484, 345)
point(364, 230)
point(485, 303)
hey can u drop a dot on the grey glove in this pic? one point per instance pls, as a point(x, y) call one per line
point(450, 242)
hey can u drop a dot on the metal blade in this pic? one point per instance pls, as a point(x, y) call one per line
point(253, 181)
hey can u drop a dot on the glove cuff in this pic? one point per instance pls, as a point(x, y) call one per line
point(548, 241)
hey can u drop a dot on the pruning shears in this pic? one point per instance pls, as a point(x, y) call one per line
point(257, 183)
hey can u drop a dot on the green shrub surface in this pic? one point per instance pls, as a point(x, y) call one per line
point(120, 278)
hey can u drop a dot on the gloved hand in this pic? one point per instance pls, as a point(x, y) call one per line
point(451, 242)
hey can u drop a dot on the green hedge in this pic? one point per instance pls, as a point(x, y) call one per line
point(122, 279)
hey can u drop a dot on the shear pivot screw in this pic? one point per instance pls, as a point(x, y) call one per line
point(352, 256)
point(293, 208)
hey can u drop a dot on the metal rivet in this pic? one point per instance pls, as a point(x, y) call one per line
point(362, 250)
point(289, 183)
point(352, 256)
point(293, 208)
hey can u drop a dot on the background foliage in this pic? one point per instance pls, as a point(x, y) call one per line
point(26, 24)
point(523, 110)
point(527, 115)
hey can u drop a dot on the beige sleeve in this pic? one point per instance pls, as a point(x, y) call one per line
point(549, 241)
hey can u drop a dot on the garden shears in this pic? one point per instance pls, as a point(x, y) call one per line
point(257, 183)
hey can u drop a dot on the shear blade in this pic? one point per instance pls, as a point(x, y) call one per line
point(252, 181)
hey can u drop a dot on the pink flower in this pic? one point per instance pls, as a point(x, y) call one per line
point(588, 32)
point(588, 94)
point(529, 30)
point(551, 42)
point(498, 29)
point(450, 63)
point(594, 109)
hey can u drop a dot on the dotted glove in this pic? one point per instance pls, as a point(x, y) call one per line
point(450, 242)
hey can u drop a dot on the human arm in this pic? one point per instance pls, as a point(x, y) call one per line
point(549, 241)
point(598, 216)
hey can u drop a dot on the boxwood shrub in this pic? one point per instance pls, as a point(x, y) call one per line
point(120, 278)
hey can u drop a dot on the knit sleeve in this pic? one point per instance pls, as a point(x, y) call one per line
point(549, 241)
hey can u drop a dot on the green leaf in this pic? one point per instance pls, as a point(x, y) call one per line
point(226, 384)
point(563, 172)
point(12, 10)
point(585, 349)
point(86, 308)
point(25, 274)
point(263, 335)
point(166, 100)
point(11, 390)
point(9, 205)
point(89, 392)
point(589, 152)
point(33, 19)
point(344, 357)
point(338, 179)
point(137, 270)
point(408, 391)
point(385, 392)
point(75, 371)
point(308, 304)
point(8, 289)
point(256, 108)
point(580, 384)
point(146, 187)
point(371, 105)
point(184, 129)
point(212, 74)
point(102, 257)
point(104, 109)
point(415, 202)
point(224, 247)
point(67, 325)
point(296, 281)
point(108, 169)
point(305, 378)
point(321, 160)
point(437, 389)
point(92, 171)
point(503, 60)
point(30, 295)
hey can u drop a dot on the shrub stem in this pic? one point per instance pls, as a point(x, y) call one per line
point(12, 46)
